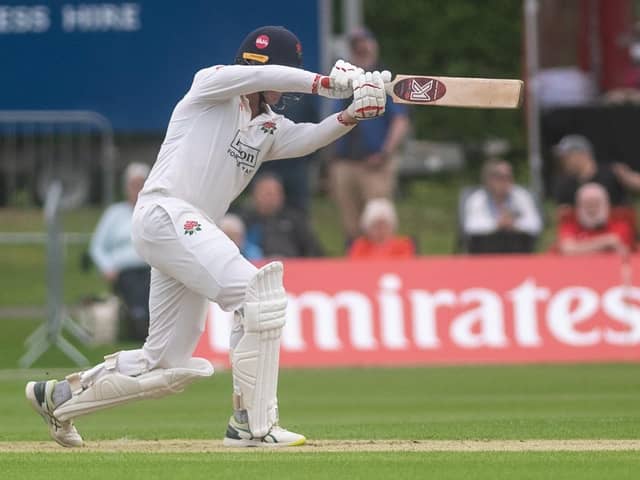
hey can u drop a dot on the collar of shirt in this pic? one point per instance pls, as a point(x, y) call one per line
point(247, 121)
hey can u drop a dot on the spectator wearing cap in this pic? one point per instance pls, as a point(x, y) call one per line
point(500, 216)
point(592, 229)
point(112, 251)
point(579, 166)
point(277, 229)
point(379, 223)
point(233, 227)
point(365, 162)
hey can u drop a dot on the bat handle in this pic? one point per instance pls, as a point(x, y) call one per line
point(388, 87)
point(326, 83)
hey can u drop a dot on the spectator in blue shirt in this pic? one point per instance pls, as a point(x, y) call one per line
point(365, 162)
point(233, 227)
point(112, 251)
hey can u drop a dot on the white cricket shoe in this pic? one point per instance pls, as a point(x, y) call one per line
point(239, 435)
point(39, 396)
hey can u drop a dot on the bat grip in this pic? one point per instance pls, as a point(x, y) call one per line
point(325, 82)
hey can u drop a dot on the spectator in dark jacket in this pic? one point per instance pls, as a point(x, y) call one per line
point(278, 230)
point(579, 166)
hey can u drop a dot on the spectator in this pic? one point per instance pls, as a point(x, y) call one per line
point(500, 217)
point(592, 229)
point(379, 223)
point(112, 251)
point(233, 226)
point(579, 167)
point(277, 229)
point(295, 172)
point(366, 160)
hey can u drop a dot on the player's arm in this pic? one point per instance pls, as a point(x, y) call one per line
point(529, 220)
point(216, 84)
point(222, 82)
point(477, 220)
point(606, 241)
point(300, 139)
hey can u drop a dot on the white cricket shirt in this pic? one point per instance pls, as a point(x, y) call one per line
point(213, 148)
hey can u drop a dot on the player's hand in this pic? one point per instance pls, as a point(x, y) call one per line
point(376, 160)
point(621, 170)
point(339, 82)
point(369, 96)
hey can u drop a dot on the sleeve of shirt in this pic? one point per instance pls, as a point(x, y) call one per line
point(529, 220)
point(477, 218)
point(219, 83)
point(567, 230)
point(624, 232)
point(98, 249)
point(300, 139)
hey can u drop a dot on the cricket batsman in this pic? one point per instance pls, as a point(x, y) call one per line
point(218, 136)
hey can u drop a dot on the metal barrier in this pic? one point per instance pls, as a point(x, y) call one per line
point(75, 147)
point(50, 333)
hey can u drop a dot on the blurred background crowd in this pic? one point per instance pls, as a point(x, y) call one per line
point(559, 176)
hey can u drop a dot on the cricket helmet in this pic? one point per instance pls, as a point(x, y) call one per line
point(270, 46)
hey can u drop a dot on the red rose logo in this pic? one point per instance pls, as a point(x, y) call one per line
point(191, 226)
point(262, 42)
point(268, 127)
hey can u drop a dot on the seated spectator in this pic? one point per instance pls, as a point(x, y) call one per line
point(379, 223)
point(500, 217)
point(233, 227)
point(592, 229)
point(112, 251)
point(278, 230)
point(579, 167)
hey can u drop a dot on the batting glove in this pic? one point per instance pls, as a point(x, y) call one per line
point(369, 96)
point(339, 82)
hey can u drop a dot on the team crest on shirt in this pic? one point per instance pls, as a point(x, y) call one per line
point(245, 155)
point(268, 127)
point(191, 227)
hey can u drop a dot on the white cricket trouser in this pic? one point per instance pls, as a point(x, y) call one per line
point(192, 262)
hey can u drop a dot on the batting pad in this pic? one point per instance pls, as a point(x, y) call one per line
point(255, 359)
point(115, 388)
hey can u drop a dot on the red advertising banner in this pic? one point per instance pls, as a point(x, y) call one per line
point(451, 310)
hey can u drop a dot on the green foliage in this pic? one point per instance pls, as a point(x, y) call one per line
point(453, 38)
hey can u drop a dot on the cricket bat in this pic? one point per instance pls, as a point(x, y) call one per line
point(456, 91)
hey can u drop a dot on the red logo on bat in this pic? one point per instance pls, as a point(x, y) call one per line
point(420, 89)
point(262, 41)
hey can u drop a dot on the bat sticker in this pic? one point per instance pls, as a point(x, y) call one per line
point(420, 89)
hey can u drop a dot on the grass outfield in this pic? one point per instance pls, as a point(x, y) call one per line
point(351, 465)
point(512, 404)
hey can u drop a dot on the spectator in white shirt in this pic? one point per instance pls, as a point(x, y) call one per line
point(500, 216)
point(113, 253)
